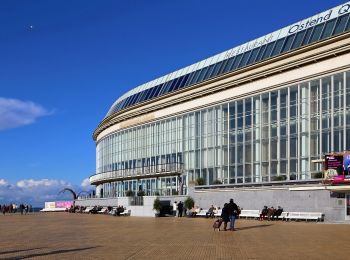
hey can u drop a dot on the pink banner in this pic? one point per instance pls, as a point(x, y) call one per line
point(64, 204)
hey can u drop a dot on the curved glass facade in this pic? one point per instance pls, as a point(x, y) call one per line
point(296, 39)
point(272, 136)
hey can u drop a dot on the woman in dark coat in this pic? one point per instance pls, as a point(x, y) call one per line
point(225, 215)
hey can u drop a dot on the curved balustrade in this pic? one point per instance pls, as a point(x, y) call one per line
point(136, 173)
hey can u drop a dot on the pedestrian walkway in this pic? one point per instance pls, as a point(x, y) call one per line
point(83, 236)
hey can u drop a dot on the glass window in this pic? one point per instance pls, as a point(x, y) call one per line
point(172, 85)
point(149, 93)
point(232, 110)
point(253, 56)
point(209, 71)
point(228, 65)
point(298, 39)
point(216, 69)
point(278, 47)
point(122, 105)
point(146, 93)
point(183, 81)
point(288, 43)
point(261, 52)
point(202, 74)
point(189, 78)
point(307, 36)
point(316, 33)
point(156, 91)
point(341, 23)
point(328, 29)
point(165, 88)
point(195, 77)
point(347, 26)
point(178, 82)
point(244, 59)
point(133, 99)
point(268, 50)
point(248, 113)
point(127, 101)
point(237, 60)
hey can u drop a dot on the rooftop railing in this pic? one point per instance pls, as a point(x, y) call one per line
point(151, 171)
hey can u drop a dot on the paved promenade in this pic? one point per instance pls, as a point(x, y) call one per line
point(76, 236)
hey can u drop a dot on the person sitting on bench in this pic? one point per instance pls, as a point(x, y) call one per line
point(210, 212)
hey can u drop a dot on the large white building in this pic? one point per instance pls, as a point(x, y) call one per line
point(247, 123)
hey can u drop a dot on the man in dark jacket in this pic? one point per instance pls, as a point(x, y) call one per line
point(233, 212)
point(225, 215)
point(180, 207)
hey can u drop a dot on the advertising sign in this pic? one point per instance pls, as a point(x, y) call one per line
point(337, 168)
point(334, 162)
point(50, 205)
point(63, 204)
point(347, 166)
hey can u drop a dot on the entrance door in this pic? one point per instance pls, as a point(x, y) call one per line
point(347, 207)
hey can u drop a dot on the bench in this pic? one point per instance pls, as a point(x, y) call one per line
point(103, 210)
point(317, 216)
point(202, 213)
point(218, 213)
point(250, 213)
point(126, 213)
point(283, 215)
point(88, 209)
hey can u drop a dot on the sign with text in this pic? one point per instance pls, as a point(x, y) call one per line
point(64, 204)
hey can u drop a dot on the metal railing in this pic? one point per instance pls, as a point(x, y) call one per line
point(141, 172)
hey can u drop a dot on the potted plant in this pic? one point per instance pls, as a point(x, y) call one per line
point(200, 181)
point(217, 181)
point(140, 193)
point(129, 193)
point(189, 203)
point(157, 206)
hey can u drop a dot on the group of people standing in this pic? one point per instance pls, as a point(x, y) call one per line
point(229, 213)
point(12, 208)
point(178, 207)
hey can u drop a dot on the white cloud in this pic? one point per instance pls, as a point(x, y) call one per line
point(86, 184)
point(15, 113)
point(43, 183)
point(3, 182)
point(35, 192)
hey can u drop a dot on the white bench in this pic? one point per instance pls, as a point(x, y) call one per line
point(88, 209)
point(283, 215)
point(218, 213)
point(250, 213)
point(103, 210)
point(317, 216)
point(202, 213)
point(125, 213)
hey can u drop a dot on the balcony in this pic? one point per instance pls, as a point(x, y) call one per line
point(154, 171)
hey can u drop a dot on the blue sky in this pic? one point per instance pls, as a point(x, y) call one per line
point(59, 78)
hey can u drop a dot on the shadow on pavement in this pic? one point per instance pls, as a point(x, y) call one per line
point(250, 227)
point(55, 252)
point(19, 250)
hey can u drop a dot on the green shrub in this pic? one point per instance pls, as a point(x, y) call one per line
point(217, 182)
point(200, 181)
point(157, 205)
point(141, 193)
point(318, 175)
point(279, 178)
point(189, 203)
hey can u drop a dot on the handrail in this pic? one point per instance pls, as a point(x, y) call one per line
point(139, 172)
